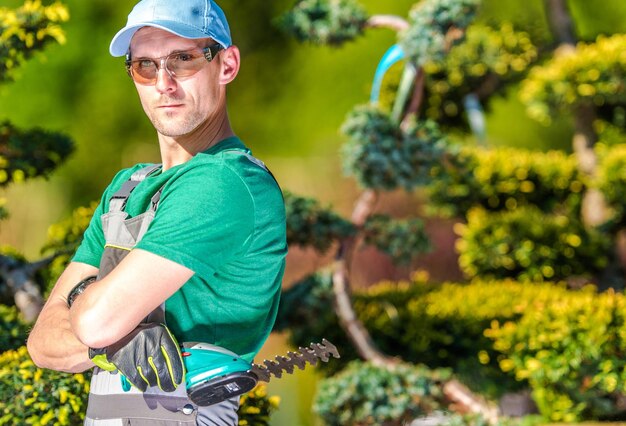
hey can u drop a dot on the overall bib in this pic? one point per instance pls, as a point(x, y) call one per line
point(109, 404)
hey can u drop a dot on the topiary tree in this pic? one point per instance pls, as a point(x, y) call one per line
point(525, 215)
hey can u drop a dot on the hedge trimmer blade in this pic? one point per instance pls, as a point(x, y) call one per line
point(303, 356)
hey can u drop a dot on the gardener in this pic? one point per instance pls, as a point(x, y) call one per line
point(189, 250)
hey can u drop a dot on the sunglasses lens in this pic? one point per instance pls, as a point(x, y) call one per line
point(185, 64)
point(177, 65)
point(144, 72)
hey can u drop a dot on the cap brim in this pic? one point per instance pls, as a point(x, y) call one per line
point(121, 41)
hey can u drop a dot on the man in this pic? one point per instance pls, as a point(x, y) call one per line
point(191, 250)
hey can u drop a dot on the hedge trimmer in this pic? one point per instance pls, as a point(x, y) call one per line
point(214, 374)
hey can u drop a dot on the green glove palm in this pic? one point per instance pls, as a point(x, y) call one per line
point(148, 356)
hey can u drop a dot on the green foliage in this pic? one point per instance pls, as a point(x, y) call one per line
point(402, 239)
point(305, 311)
point(505, 179)
point(611, 180)
point(255, 407)
point(25, 30)
point(593, 74)
point(435, 26)
point(529, 245)
point(309, 224)
point(438, 325)
point(30, 153)
point(330, 22)
point(570, 349)
point(484, 63)
point(381, 156)
point(13, 329)
point(364, 394)
point(63, 240)
point(37, 396)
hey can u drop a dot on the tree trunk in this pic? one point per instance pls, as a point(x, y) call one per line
point(18, 276)
point(594, 207)
point(392, 22)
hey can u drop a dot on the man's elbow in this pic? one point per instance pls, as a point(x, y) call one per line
point(90, 328)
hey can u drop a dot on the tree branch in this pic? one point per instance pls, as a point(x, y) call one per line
point(392, 22)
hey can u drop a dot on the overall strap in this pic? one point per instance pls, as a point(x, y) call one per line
point(255, 161)
point(120, 197)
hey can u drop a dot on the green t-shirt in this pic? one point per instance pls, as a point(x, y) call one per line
point(223, 217)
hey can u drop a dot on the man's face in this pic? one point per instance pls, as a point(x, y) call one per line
point(177, 107)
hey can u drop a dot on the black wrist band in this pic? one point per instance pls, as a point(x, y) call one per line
point(78, 289)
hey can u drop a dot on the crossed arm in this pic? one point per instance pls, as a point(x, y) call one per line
point(107, 311)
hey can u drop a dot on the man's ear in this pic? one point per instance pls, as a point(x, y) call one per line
point(230, 64)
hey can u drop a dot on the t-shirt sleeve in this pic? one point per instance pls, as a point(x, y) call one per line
point(92, 245)
point(205, 217)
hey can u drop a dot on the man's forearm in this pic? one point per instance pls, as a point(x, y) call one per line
point(52, 342)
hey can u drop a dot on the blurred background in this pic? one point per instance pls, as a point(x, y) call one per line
point(287, 104)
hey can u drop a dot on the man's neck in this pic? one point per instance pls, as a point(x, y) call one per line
point(178, 150)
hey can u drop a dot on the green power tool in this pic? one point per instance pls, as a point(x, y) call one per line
point(214, 374)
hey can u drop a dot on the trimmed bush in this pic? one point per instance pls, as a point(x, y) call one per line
point(325, 22)
point(529, 245)
point(592, 75)
point(255, 407)
point(505, 179)
point(438, 325)
point(364, 394)
point(611, 180)
point(311, 225)
point(571, 350)
point(13, 329)
point(31, 395)
point(382, 156)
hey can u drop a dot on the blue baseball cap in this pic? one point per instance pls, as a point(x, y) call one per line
point(185, 18)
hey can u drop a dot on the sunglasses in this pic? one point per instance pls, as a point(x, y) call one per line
point(183, 64)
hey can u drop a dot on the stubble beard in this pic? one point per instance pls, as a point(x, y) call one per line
point(175, 124)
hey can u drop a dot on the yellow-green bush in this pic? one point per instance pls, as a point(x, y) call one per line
point(571, 350)
point(40, 397)
point(255, 407)
point(13, 329)
point(611, 180)
point(593, 74)
point(438, 325)
point(36, 396)
point(483, 63)
point(505, 179)
point(529, 245)
point(26, 30)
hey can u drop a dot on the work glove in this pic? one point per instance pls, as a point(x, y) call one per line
point(148, 356)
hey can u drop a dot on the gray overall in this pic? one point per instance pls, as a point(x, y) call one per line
point(109, 404)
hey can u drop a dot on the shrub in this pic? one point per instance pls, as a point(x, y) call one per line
point(324, 21)
point(529, 245)
point(611, 180)
point(487, 60)
point(571, 350)
point(438, 325)
point(592, 75)
point(435, 26)
point(382, 156)
point(255, 407)
point(310, 224)
point(364, 394)
point(31, 395)
point(505, 179)
point(13, 329)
